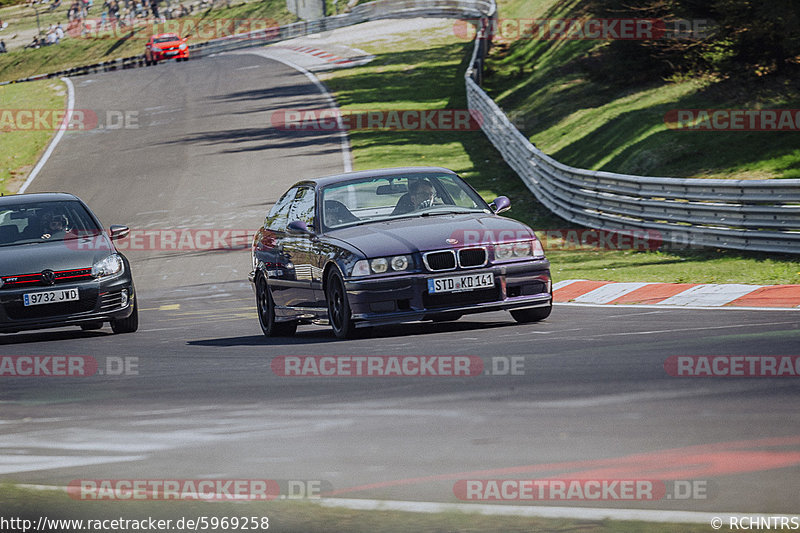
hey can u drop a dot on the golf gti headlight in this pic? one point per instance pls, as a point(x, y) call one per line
point(108, 267)
point(381, 265)
point(182, 46)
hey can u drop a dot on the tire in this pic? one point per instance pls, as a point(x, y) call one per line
point(130, 324)
point(265, 306)
point(525, 316)
point(339, 313)
point(91, 326)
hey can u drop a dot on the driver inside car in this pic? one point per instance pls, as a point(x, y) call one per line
point(54, 226)
point(420, 195)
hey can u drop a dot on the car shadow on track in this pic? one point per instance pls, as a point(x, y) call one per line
point(320, 336)
point(50, 336)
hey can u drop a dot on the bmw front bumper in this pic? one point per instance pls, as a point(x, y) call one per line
point(405, 297)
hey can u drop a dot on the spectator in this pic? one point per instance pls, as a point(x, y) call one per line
point(59, 31)
point(2, 46)
point(50, 38)
point(36, 43)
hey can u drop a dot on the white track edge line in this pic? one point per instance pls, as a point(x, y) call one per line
point(577, 513)
point(679, 307)
point(56, 139)
point(345, 140)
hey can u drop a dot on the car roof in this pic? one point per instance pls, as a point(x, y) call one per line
point(17, 199)
point(376, 173)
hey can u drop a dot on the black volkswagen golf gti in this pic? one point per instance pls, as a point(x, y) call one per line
point(59, 268)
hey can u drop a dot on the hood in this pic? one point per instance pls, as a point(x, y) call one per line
point(58, 255)
point(422, 234)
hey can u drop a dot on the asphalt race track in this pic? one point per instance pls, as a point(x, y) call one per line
point(592, 399)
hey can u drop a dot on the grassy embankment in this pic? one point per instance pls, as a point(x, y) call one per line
point(425, 71)
point(76, 51)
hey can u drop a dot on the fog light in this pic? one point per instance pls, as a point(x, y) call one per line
point(124, 297)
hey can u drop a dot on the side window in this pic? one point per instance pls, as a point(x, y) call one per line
point(278, 216)
point(303, 207)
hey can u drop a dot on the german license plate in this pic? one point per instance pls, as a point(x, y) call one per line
point(466, 282)
point(50, 297)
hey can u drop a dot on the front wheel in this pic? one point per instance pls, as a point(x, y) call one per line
point(339, 314)
point(524, 316)
point(127, 325)
point(266, 312)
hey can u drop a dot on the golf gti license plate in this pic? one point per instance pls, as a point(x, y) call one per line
point(50, 297)
point(467, 282)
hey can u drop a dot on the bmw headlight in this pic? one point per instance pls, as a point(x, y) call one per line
point(381, 265)
point(518, 250)
point(400, 262)
point(182, 46)
point(108, 267)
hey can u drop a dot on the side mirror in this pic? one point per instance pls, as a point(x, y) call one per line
point(298, 227)
point(500, 204)
point(117, 231)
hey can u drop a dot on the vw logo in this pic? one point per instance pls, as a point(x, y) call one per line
point(48, 277)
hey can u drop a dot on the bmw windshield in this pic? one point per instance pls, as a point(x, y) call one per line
point(387, 197)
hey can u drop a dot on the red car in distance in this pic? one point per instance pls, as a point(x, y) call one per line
point(165, 46)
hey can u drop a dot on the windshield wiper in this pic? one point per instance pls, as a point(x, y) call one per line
point(450, 211)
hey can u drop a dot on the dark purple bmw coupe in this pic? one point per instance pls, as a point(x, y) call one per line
point(393, 245)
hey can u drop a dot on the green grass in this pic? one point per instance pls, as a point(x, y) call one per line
point(618, 126)
point(76, 51)
point(436, 63)
point(304, 516)
point(435, 60)
point(20, 149)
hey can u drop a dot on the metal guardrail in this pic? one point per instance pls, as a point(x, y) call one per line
point(759, 215)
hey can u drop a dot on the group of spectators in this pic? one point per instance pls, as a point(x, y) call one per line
point(53, 36)
point(115, 14)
